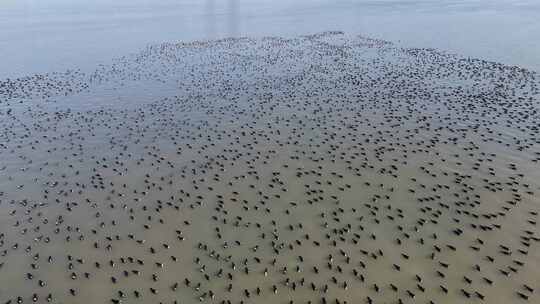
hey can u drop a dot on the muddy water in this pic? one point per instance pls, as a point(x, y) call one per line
point(325, 168)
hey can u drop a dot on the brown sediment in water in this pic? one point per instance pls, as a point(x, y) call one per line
point(317, 169)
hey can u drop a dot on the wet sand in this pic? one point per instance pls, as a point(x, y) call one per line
point(319, 169)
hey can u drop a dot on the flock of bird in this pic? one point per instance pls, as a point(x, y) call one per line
point(316, 169)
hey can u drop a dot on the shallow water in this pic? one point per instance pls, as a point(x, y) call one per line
point(329, 168)
point(55, 35)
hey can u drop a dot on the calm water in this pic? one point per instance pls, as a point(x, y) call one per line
point(53, 35)
point(326, 166)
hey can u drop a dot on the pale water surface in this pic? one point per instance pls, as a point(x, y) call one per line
point(324, 168)
point(54, 35)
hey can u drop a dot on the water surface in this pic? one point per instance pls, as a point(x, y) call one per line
point(55, 35)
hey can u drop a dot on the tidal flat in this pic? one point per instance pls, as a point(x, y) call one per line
point(325, 168)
